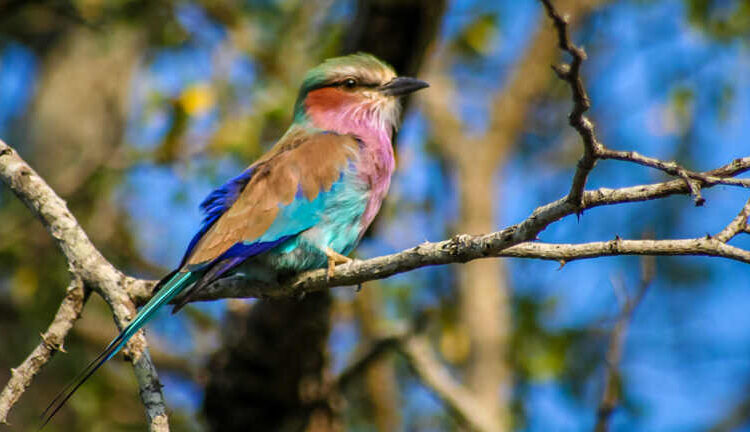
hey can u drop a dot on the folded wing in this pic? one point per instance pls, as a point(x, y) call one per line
point(284, 196)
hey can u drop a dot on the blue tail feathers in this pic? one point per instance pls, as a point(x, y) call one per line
point(168, 291)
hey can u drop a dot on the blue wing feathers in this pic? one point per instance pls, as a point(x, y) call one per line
point(216, 203)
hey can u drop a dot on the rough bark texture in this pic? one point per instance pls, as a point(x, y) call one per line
point(121, 292)
point(88, 264)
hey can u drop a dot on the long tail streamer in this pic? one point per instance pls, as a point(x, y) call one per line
point(173, 287)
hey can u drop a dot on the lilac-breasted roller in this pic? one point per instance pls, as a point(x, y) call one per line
point(304, 204)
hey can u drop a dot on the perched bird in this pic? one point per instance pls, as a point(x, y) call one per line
point(303, 205)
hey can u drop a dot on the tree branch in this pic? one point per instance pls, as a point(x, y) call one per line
point(571, 73)
point(52, 341)
point(417, 351)
point(86, 263)
point(671, 168)
point(593, 149)
point(123, 293)
point(463, 248)
point(702, 246)
point(739, 224)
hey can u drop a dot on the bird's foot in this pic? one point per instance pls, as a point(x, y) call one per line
point(334, 258)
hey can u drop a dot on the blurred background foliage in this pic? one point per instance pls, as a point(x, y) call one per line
point(134, 110)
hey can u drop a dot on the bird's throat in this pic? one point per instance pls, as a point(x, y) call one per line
point(370, 121)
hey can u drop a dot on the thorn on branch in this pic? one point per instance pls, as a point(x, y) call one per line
point(562, 71)
point(52, 346)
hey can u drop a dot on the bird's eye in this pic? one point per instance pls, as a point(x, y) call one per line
point(350, 83)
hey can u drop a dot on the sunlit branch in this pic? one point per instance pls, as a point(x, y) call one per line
point(671, 168)
point(52, 341)
point(738, 225)
point(463, 248)
point(88, 264)
point(122, 293)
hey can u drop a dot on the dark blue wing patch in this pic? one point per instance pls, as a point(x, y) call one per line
point(216, 203)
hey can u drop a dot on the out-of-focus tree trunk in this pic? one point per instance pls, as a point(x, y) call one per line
point(269, 375)
point(397, 32)
point(484, 309)
point(87, 77)
point(484, 306)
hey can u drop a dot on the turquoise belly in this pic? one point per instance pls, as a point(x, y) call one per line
point(339, 228)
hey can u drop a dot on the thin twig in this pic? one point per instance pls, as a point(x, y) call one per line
point(461, 248)
point(671, 168)
point(52, 341)
point(612, 390)
point(571, 73)
point(593, 149)
point(695, 189)
point(700, 246)
point(738, 225)
point(121, 291)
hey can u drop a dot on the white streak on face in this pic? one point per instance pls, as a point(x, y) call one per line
point(383, 110)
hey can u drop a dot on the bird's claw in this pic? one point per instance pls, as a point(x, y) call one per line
point(331, 268)
point(334, 258)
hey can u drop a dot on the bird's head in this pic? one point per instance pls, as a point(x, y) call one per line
point(353, 91)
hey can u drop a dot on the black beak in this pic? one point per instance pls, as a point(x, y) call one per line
point(402, 86)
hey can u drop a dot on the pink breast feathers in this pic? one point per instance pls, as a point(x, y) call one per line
point(335, 109)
